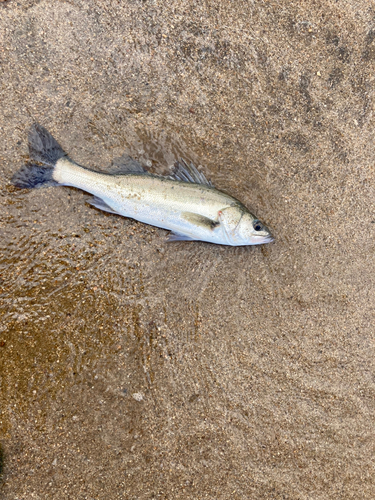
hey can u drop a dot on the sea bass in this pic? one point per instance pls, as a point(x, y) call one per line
point(185, 202)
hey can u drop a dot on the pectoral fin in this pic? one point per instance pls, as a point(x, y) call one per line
point(178, 237)
point(200, 220)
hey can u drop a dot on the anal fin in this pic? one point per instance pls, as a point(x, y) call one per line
point(102, 205)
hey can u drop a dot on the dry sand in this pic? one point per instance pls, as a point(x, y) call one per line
point(136, 369)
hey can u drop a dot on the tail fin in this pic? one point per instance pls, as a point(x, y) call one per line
point(33, 176)
point(43, 148)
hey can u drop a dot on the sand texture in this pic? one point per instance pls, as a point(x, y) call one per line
point(132, 368)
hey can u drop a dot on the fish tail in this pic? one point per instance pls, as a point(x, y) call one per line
point(44, 149)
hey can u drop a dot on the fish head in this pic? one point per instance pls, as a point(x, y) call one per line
point(252, 231)
point(240, 227)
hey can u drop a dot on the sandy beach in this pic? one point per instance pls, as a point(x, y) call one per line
point(132, 368)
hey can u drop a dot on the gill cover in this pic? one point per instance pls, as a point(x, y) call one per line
point(229, 219)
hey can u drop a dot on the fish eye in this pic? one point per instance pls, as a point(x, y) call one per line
point(258, 226)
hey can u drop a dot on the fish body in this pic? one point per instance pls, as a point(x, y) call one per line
point(184, 203)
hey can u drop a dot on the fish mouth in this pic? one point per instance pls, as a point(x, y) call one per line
point(269, 239)
point(265, 239)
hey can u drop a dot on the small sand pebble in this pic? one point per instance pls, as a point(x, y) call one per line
point(138, 396)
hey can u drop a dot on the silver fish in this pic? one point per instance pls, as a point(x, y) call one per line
point(185, 203)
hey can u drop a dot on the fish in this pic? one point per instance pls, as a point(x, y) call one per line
point(184, 202)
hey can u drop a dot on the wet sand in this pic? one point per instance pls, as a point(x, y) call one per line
point(133, 368)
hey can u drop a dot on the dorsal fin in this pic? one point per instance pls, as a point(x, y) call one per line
point(189, 173)
point(126, 165)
